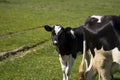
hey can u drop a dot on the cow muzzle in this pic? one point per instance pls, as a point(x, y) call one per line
point(55, 42)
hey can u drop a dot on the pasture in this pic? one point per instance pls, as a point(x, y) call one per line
point(21, 24)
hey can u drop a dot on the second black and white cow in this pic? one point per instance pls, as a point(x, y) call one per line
point(68, 42)
point(102, 37)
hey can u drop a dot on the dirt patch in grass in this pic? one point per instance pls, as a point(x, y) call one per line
point(4, 55)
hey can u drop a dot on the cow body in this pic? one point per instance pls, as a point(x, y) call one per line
point(68, 42)
point(102, 36)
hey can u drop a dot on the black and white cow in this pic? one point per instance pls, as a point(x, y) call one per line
point(102, 37)
point(68, 42)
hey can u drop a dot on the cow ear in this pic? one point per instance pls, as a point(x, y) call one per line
point(48, 28)
point(93, 20)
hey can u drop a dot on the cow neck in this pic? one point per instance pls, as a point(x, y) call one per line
point(65, 47)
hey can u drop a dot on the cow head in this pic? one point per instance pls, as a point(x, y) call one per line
point(94, 19)
point(59, 34)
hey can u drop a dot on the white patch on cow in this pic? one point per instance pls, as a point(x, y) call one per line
point(72, 32)
point(63, 66)
point(116, 55)
point(91, 61)
point(84, 47)
point(116, 61)
point(54, 42)
point(97, 17)
point(57, 29)
point(103, 58)
point(112, 23)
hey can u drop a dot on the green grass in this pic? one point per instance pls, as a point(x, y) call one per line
point(26, 14)
point(18, 17)
point(26, 38)
point(40, 65)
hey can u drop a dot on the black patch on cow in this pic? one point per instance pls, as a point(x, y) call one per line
point(105, 34)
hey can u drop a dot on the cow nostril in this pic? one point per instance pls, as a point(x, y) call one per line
point(55, 42)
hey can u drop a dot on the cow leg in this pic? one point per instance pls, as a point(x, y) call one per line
point(103, 60)
point(104, 73)
point(91, 71)
point(69, 66)
point(81, 67)
point(91, 74)
point(63, 66)
point(105, 69)
point(87, 60)
point(116, 61)
point(66, 65)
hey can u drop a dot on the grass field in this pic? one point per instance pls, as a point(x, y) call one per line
point(21, 24)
